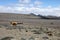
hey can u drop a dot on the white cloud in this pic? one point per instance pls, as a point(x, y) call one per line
point(8, 9)
point(37, 3)
point(49, 6)
point(29, 3)
point(36, 10)
point(24, 1)
point(24, 6)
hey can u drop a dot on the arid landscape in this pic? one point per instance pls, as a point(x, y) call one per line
point(32, 27)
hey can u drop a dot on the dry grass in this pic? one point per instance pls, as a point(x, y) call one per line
point(32, 27)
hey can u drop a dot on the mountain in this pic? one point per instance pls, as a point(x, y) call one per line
point(48, 17)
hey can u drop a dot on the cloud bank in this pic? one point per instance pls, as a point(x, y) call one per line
point(25, 6)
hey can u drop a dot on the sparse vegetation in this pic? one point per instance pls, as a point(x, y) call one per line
point(45, 38)
point(23, 39)
point(58, 39)
point(57, 34)
point(51, 23)
point(6, 38)
point(36, 31)
point(31, 29)
point(31, 38)
point(0, 26)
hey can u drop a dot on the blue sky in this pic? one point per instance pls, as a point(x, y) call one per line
point(44, 7)
point(53, 3)
point(8, 2)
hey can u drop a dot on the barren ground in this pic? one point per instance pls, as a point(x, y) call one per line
point(33, 28)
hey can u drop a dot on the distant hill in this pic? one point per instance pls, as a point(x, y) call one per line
point(11, 16)
point(48, 17)
point(18, 17)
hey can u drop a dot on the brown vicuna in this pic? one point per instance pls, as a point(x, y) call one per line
point(14, 23)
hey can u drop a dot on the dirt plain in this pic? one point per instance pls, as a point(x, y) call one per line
point(33, 27)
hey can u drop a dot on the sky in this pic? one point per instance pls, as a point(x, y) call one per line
point(44, 7)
